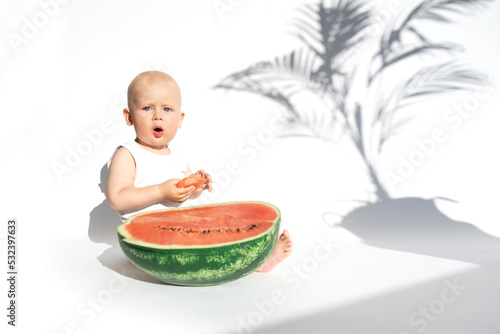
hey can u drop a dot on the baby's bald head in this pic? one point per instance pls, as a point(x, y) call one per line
point(141, 82)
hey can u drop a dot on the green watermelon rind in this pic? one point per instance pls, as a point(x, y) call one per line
point(203, 266)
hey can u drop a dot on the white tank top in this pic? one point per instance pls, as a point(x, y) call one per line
point(153, 169)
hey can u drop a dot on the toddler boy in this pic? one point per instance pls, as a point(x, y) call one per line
point(143, 173)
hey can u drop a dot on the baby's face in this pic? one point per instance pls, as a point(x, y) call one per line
point(155, 111)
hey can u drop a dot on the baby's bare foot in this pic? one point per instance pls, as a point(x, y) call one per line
point(281, 251)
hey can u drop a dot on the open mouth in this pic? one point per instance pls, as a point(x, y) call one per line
point(158, 131)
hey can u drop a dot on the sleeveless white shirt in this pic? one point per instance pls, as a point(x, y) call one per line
point(153, 169)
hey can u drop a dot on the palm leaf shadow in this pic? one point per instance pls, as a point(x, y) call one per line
point(426, 82)
point(392, 50)
point(329, 36)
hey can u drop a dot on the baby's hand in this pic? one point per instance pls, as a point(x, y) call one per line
point(208, 180)
point(172, 193)
point(206, 186)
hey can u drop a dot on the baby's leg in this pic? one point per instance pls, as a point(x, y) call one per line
point(281, 251)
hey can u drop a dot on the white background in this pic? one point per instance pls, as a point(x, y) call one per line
point(67, 80)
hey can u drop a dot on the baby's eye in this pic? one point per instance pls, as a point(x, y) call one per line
point(147, 108)
point(167, 109)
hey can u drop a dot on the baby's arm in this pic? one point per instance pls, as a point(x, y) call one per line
point(123, 196)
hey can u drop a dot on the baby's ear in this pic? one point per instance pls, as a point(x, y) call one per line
point(128, 116)
point(181, 118)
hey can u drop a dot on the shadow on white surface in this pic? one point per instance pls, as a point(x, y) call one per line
point(102, 229)
point(463, 304)
point(417, 226)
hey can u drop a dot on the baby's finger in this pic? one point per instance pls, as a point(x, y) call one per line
point(208, 182)
point(184, 198)
point(186, 191)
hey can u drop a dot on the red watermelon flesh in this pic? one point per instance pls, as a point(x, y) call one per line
point(205, 225)
point(192, 180)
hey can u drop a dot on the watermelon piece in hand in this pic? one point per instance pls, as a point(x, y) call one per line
point(193, 180)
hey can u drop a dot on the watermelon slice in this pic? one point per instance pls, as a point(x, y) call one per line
point(192, 180)
point(201, 245)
